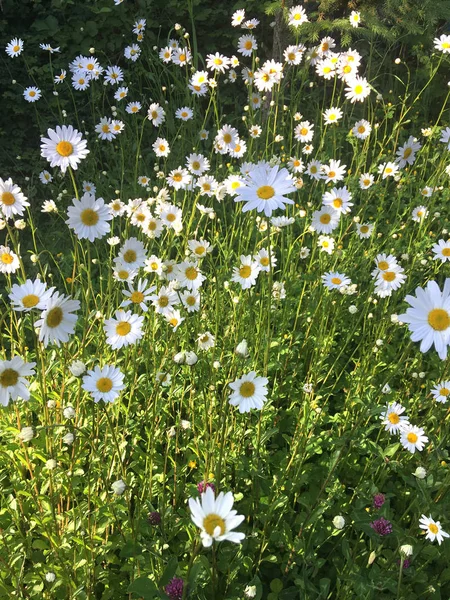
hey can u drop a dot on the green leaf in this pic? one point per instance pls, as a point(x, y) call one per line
point(169, 571)
point(143, 587)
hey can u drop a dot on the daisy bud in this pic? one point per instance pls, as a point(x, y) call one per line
point(191, 358)
point(242, 349)
point(420, 473)
point(406, 550)
point(397, 61)
point(177, 27)
point(68, 438)
point(14, 82)
point(50, 577)
point(51, 464)
point(69, 412)
point(250, 591)
point(77, 368)
point(3, 225)
point(372, 557)
point(179, 358)
point(352, 309)
point(339, 522)
point(92, 50)
point(118, 487)
point(216, 364)
point(26, 434)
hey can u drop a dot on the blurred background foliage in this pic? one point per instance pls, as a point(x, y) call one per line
point(404, 28)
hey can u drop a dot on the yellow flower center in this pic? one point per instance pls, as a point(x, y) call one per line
point(218, 61)
point(104, 384)
point(245, 272)
point(433, 528)
point(173, 322)
point(123, 328)
point(154, 266)
point(17, 48)
point(162, 148)
point(304, 131)
point(9, 377)
point(366, 182)
point(32, 93)
point(191, 273)
point(388, 275)
point(227, 138)
point(383, 265)
point(8, 198)
point(89, 217)
point(7, 258)
point(196, 165)
point(211, 521)
point(247, 389)
point(327, 70)
point(325, 46)
point(412, 438)
point(154, 114)
point(105, 128)
point(361, 129)
point(123, 274)
point(331, 174)
point(297, 17)
point(200, 250)
point(64, 148)
point(152, 225)
point(130, 256)
point(190, 300)
point(30, 300)
point(337, 203)
point(184, 114)
point(347, 69)
point(264, 261)
point(325, 219)
point(235, 185)
point(54, 317)
point(407, 153)
point(163, 301)
point(358, 89)
point(177, 177)
point(364, 229)
point(446, 252)
point(439, 319)
point(336, 280)
point(445, 45)
point(393, 418)
point(265, 192)
point(137, 297)
point(89, 67)
point(182, 57)
point(444, 391)
point(291, 56)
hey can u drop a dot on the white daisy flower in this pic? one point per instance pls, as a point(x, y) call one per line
point(339, 199)
point(364, 230)
point(12, 200)
point(29, 295)
point(392, 418)
point(189, 275)
point(12, 379)
point(156, 114)
point(32, 94)
point(191, 300)
point(325, 220)
point(9, 261)
point(174, 318)
point(335, 281)
point(64, 147)
point(429, 317)
point(104, 383)
point(164, 300)
point(247, 272)
point(14, 47)
point(124, 329)
point(362, 129)
point(215, 518)
point(357, 89)
point(265, 189)
point(132, 253)
point(441, 392)
point(412, 438)
point(206, 340)
point(88, 217)
point(433, 528)
point(249, 391)
point(138, 295)
point(57, 321)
